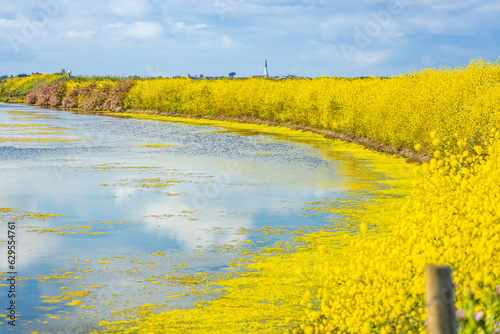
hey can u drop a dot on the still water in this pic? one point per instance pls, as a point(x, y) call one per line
point(113, 213)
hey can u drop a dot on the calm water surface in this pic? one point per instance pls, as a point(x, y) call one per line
point(126, 209)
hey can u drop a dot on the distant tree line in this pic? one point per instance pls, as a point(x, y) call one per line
point(22, 75)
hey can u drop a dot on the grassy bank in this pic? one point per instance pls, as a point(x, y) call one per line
point(369, 278)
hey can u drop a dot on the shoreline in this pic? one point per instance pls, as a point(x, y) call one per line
point(410, 155)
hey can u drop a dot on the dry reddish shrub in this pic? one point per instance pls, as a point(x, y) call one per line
point(57, 92)
point(95, 99)
point(117, 95)
point(89, 96)
point(49, 94)
point(31, 98)
point(43, 95)
point(71, 99)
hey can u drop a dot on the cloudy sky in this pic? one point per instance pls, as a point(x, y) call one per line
point(215, 37)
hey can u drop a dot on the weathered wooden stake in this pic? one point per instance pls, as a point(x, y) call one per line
point(439, 297)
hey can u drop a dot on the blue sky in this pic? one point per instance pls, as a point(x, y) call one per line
point(215, 37)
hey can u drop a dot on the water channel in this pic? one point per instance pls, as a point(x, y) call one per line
point(128, 208)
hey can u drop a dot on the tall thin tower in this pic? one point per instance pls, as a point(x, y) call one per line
point(266, 75)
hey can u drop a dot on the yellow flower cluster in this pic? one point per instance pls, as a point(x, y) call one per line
point(19, 87)
point(452, 217)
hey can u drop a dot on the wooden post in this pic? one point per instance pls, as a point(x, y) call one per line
point(440, 301)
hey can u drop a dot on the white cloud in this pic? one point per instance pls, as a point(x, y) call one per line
point(334, 22)
point(144, 30)
point(489, 7)
point(214, 42)
point(9, 23)
point(200, 35)
point(344, 54)
point(129, 7)
point(268, 10)
point(114, 25)
point(453, 5)
point(429, 24)
point(370, 58)
point(453, 25)
point(336, 27)
point(78, 34)
point(187, 28)
point(227, 42)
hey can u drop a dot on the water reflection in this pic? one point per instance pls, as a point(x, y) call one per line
point(137, 199)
